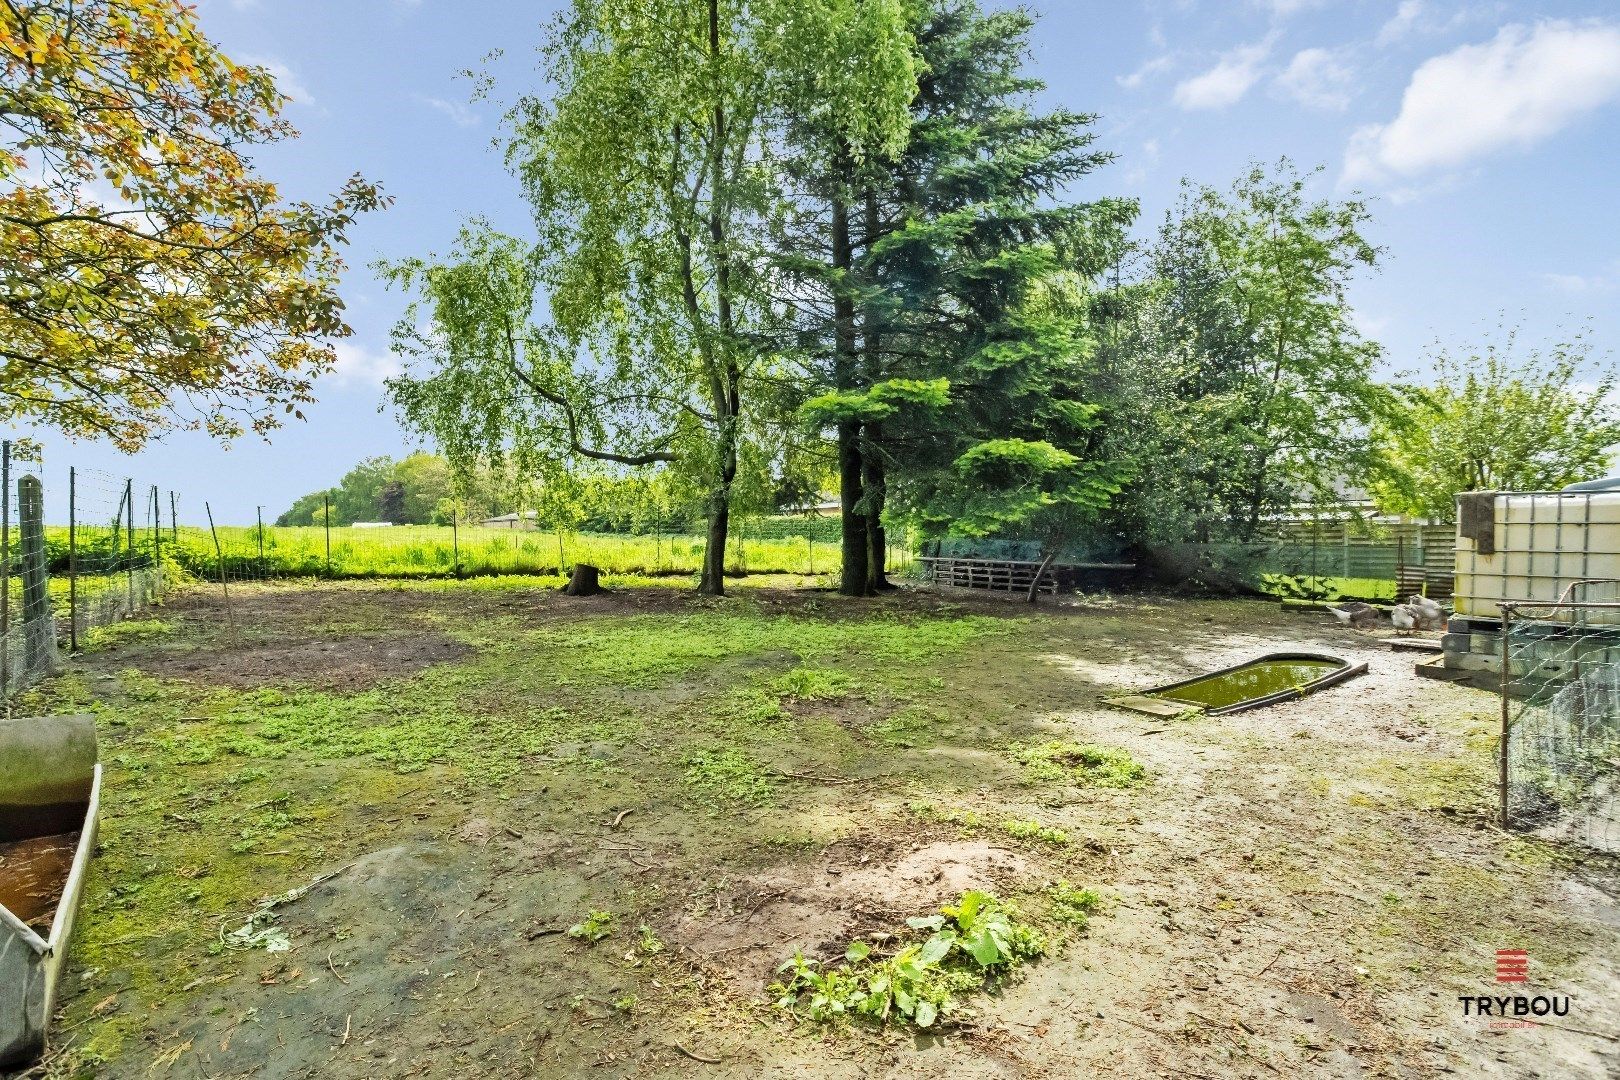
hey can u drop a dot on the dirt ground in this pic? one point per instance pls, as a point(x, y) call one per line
point(465, 772)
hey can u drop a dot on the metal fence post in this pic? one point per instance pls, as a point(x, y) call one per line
point(157, 544)
point(219, 554)
point(73, 559)
point(1505, 743)
point(129, 541)
point(259, 513)
point(174, 519)
point(326, 516)
point(455, 546)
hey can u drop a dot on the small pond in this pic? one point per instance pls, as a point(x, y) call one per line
point(1262, 678)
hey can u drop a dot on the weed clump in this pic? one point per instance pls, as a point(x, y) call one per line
point(1071, 905)
point(978, 939)
point(594, 927)
point(812, 684)
point(1083, 763)
point(728, 776)
point(1034, 830)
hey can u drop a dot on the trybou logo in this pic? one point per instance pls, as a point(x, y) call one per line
point(1512, 965)
point(1516, 1010)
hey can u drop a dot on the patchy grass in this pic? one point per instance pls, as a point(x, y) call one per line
point(616, 765)
point(1025, 829)
point(727, 777)
point(1081, 763)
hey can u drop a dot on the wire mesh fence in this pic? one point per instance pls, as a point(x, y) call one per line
point(1560, 693)
point(257, 552)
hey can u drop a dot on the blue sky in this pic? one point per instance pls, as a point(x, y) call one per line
point(1486, 132)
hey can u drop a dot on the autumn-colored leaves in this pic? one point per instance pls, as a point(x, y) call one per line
point(149, 277)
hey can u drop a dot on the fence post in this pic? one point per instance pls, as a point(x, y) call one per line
point(219, 555)
point(1505, 744)
point(455, 546)
point(39, 632)
point(258, 512)
point(5, 573)
point(73, 559)
point(174, 519)
point(129, 542)
point(157, 544)
point(326, 515)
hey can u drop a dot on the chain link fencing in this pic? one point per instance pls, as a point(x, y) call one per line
point(1559, 754)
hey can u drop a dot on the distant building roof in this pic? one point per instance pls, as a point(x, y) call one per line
point(526, 515)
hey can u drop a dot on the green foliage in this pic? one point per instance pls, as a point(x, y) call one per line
point(812, 684)
point(985, 231)
point(1071, 905)
point(595, 926)
point(1242, 387)
point(1082, 763)
point(1499, 417)
point(1300, 586)
point(1030, 829)
point(729, 777)
point(648, 165)
point(921, 983)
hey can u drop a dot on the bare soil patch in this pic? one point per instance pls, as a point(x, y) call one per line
point(852, 890)
point(331, 664)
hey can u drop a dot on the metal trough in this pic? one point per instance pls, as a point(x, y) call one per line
point(50, 790)
point(1265, 680)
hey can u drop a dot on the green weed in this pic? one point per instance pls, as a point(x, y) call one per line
point(812, 684)
point(594, 927)
point(1082, 763)
point(728, 776)
point(1071, 905)
point(1034, 830)
point(920, 984)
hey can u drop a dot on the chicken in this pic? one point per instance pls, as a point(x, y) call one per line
point(1433, 616)
point(1357, 615)
point(1406, 618)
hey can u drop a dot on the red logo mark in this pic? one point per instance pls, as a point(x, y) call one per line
point(1512, 965)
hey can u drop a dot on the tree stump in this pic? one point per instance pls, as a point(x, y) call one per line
point(586, 581)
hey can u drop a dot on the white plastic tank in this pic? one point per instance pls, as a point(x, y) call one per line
point(1536, 546)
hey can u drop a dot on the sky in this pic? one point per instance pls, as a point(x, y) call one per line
point(1485, 134)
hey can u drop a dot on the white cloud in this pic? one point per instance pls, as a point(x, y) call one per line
point(1524, 85)
point(287, 80)
point(1226, 82)
point(1148, 69)
point(1582, 284)
point(1402, 23)
point(455, 110)
point(359, 366)
point(1320, 78)
point(1284, 8)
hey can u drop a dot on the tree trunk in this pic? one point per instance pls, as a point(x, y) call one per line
point(873, 472)
point(853, 580)
point(586, 581)
point(713, 580)
point(1040, 571)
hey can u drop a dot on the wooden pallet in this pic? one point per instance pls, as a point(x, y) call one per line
point(1006, 575)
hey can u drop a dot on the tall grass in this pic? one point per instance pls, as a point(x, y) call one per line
point(428, 550)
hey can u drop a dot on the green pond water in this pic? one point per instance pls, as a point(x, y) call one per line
point(1250, 681)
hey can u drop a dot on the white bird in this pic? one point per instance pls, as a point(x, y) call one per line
point(1360, 616)
point(1405, 617)
point(1433, 615)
